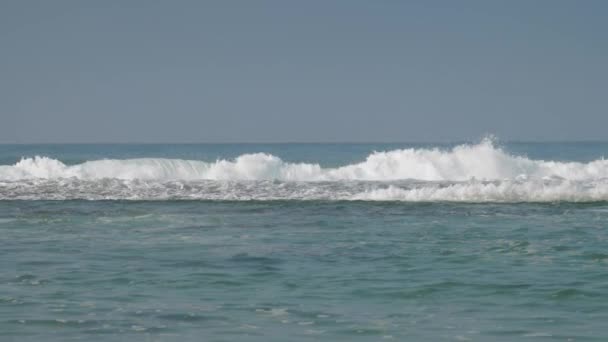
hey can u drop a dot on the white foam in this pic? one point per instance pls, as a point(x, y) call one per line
point(470, 191)
point(472, 173)
point(483, 161)
point(501, 191)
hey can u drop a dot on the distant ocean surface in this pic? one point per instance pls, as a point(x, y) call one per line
point(485, 241)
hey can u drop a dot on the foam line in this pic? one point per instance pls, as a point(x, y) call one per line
point(483, 161)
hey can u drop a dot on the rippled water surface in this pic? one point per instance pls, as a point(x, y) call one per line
point(259, 271)
point(519, 256)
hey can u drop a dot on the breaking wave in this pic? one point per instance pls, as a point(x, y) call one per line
point(481, 172)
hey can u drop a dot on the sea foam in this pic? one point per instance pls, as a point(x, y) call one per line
point(483, 161)
point(480, 172)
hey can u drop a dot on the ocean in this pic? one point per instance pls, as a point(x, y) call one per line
point(480, 241)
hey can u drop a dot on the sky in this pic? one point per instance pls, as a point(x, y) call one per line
point(302, 71)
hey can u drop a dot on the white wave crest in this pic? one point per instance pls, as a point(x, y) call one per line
point(483, 161)
point(481, 172)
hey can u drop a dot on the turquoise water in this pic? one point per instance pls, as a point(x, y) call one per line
point(167, 256)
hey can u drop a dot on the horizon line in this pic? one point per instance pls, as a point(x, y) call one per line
point(303, 142)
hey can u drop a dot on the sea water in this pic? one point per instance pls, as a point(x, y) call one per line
point(483, 241)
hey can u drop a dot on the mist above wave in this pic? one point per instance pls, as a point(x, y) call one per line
point(482, 161)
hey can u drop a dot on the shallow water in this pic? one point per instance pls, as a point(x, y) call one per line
point(256, 269)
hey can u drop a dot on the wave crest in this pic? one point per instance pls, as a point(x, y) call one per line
point(481, 172)
point(483, 161)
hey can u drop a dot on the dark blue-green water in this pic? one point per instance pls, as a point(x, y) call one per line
point(93, 252)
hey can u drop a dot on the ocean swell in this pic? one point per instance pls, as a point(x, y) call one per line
point(479, 172)
point(483, 161)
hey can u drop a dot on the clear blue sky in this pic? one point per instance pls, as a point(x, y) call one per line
point(257, 71)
